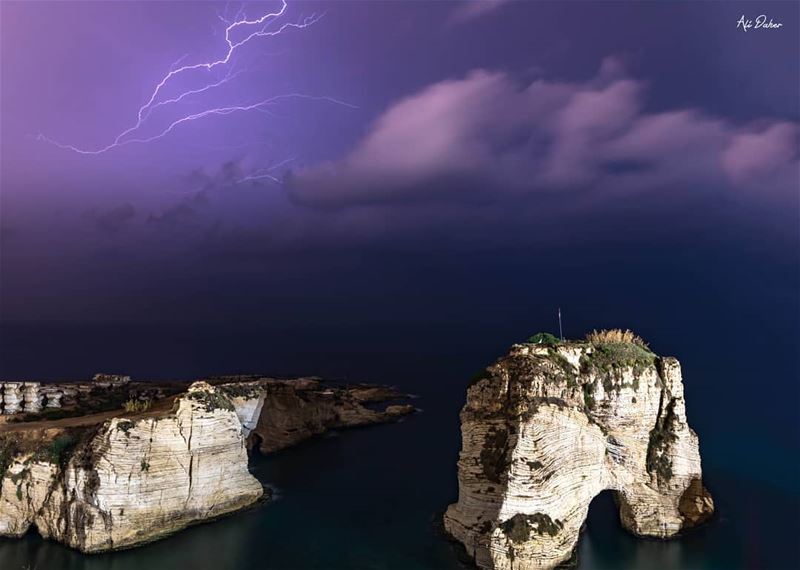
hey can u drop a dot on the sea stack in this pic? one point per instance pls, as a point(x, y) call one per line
point(551, 425)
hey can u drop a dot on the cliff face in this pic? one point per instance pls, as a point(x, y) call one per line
point(104, 482)
point(293, 412)
point(24, 490)
point(546, 429)
point(130, 481)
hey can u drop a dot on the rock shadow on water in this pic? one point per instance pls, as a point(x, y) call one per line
point(605, 545)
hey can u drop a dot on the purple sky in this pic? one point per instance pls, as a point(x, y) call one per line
point(469, 124)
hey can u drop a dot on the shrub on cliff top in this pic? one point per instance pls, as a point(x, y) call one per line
point(544, 338)
point(212, 401)
point(616, 336)
point(241, 390)
point(617, 349)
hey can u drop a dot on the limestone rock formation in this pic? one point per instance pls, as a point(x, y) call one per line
point(547, 428)
point(294, 411)
point(12, 397)
point(116, 479)
point(53, 397)
point(133, 480)
point(24, 489)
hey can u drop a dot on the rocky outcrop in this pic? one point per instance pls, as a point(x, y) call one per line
point(24, 489)
point(547, 428)
point(12, 397)
point(293, 411)
point(130, 481)
point(53, 397)
point(115, 480)
point(31, 397)
point(104, 380)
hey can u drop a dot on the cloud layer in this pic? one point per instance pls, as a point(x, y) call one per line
point(471, 9)
point(486, 130)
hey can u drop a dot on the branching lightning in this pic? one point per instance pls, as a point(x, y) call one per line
point(256, 28)
point(264, 173)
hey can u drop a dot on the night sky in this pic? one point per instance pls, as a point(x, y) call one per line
point(484, 151)
point(440, 173)
point(430, 182)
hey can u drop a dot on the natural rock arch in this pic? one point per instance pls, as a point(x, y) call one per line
point(548, 429)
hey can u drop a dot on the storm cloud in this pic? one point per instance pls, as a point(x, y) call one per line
point(112, 219)
point(487, 130)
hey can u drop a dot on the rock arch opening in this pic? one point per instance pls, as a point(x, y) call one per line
point(603, 518)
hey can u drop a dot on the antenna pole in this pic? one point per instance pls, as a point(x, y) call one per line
point(560, 331)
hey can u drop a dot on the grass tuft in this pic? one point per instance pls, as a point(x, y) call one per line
point(616, 336)
point(137, 406)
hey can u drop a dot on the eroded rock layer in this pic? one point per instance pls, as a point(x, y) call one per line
point(117, 479)
point(547, 428)
point(132, 480)
point(293, 412)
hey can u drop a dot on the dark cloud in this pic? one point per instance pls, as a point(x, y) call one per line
point(111, 220)
point(486, 130)
point(479, 161)
point(205, 184)
point(471, 9)
point(184, 210)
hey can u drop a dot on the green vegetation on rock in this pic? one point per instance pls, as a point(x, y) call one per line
point(8, 449)
point(47, 414)
point(519, 527)
point(212, 401)
point(588, 396)
point(661, 436)
point(494, 452)
point(58, 448)
point(241, 390)
point(614, 350)
point(621, 355)
point(544, 338)
point(569, 371)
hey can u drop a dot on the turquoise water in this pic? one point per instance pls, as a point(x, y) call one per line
point(369, 498)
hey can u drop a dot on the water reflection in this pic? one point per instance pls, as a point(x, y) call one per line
point(218, 543)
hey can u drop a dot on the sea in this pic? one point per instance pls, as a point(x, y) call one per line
point(372, 498)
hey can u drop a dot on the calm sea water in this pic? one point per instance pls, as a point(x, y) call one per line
point(369, 498)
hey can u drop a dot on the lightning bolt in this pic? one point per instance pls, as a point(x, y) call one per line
point(256, 28)
point(264, 173)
